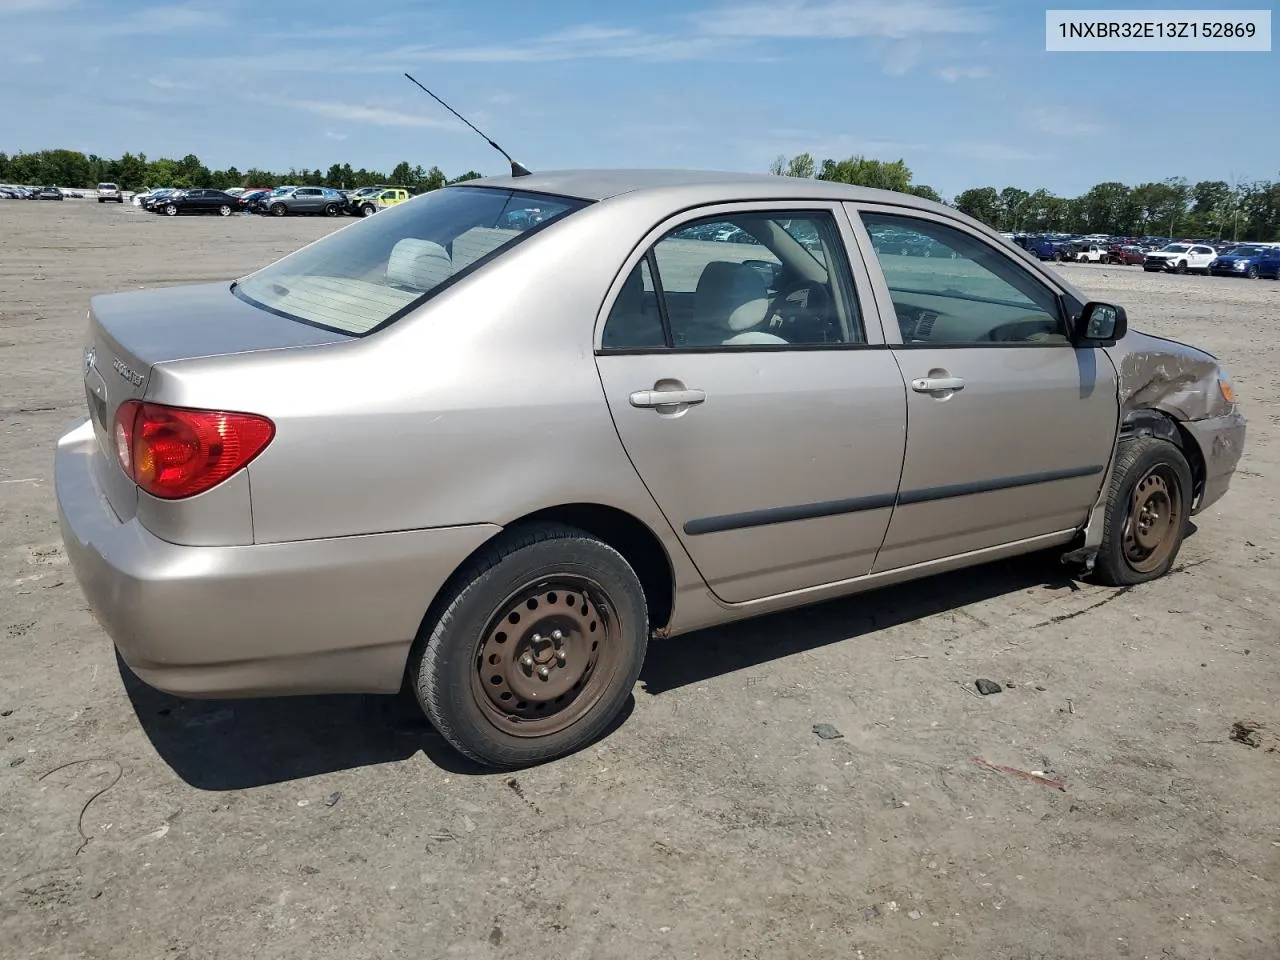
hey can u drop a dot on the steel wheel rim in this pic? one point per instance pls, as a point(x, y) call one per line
point(1155, 517)
point(546, 657)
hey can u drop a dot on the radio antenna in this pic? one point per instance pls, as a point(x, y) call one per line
point(517, 169)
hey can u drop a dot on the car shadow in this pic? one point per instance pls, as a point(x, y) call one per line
point(236, 744)
point(696, 657)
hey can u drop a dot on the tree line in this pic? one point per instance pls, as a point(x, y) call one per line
point(1172, 207)
point(133, 171)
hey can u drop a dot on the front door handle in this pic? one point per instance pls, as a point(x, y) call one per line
point(666, 398)
point(936, 384)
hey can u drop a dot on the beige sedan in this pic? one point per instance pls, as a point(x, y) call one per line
point(493, 439)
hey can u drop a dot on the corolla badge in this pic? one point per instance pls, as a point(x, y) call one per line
point(121, 368)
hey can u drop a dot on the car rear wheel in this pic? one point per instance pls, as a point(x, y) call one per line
point(224, 211)
point(278, 209)
point(533, 651)
point(331, 210)
point(1148, 504)
point(171, 210)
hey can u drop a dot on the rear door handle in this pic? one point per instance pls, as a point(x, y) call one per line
point(666, 398)
point(935, 384)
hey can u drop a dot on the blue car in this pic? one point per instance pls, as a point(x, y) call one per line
point(1247, 260)
point(1269, 263)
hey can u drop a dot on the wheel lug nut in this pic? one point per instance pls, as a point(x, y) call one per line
point(544, 672)
point(561, 656)
point(536, 638)
point(557, 635)
point(526, 660)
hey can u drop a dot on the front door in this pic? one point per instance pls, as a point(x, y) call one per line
point(1011, 427)
point(765, 418)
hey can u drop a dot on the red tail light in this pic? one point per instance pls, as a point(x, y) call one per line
point(177, 452)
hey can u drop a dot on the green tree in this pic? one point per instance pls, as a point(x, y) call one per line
point(925, 191)
point(1013, 201)
point(981, 203)
point(865, 172)
point(402, 173)
point(801, 165)
point(469, 175)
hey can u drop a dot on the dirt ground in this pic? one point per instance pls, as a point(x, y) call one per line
point(713, 822)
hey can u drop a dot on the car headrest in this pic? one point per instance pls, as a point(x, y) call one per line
point(731, 295)
point(419, 264)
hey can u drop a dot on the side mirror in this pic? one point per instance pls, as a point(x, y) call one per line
point(1101, 324)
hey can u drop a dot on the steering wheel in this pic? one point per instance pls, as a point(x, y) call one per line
point(812, 322)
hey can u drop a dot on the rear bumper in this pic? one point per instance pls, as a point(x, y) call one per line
point(318, 616)
point(1221, 442)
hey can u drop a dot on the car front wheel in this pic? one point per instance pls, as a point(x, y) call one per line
point(278, 209)
point(171, 210)
point(1148, 504)
point(533, 651)
point(368, 210)
point(1252, 273)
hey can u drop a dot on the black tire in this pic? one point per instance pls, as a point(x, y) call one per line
point(331, 210)
point(101, 200)
point(1182, 267)
point(1252, 272)
point(1137, 460)
point(1057, 258)
point(171, 209)
point(279, 209)
point(368, 210)
point(224, 211)
point(446, 661)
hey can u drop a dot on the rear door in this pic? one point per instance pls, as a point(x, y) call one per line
point(755, 396)
point(1011, 425)
point(308, 200)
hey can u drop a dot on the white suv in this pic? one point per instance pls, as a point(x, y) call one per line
point(1180, 257)
point(109, 191)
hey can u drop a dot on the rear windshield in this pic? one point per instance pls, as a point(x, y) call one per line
point(106, 186)
point(374, 271)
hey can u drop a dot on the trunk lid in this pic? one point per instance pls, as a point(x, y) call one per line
point(129, 333)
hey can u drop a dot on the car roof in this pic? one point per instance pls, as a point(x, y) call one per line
point(718, 185)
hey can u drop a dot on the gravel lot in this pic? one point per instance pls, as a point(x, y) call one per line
point(712, 822)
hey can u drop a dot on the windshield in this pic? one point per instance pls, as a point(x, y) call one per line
point(1244, 252)
point(373, 272)
point(1176, 248)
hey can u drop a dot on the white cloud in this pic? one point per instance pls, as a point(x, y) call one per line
point(335, 135)
point(354, 112)
point(1061, 122)
point(995, 152)
point(165, 83)
point(168, 18)
point(583, 42)
point(839, 19)
point(8, 7)
point(952, 74)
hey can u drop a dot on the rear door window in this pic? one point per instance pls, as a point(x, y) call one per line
point(371, 273)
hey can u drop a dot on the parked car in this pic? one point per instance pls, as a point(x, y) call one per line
point(1269, 263)
point(1129, 255)
point(200, 201)
point(381, 199)
point(300, 200)
point(152, 197)
point(109, 192)
point(335, 474)
point(49, 193)
point(1090, 253)
point(1179, 258)
point(249, 200)
point(1244, 260)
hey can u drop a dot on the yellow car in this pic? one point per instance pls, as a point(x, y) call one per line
point(373, 201)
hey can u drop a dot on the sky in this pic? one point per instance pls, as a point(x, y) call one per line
point(964, 92)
